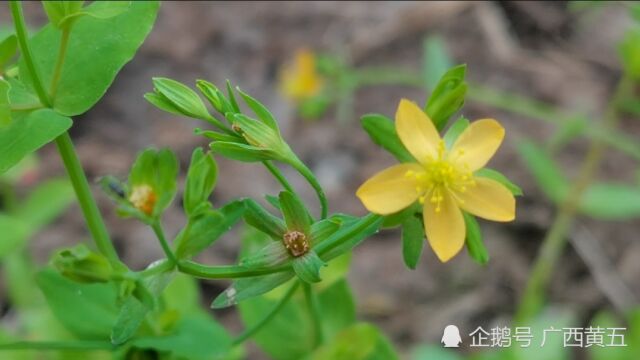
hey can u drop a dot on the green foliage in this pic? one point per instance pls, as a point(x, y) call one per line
point(358, 342)
point(455, 130)
point(73, 303)
point(629, 51)
point(205, 228)
point(175, 97)
point(412, 241)
point(383, 132)
point(435, 61)
point(26, 135)
point(499, 177)
point(296, 215)
point(473, 240)
point(201, 179)
point(8, 49)
point(86, 75)
point(447, 96)
point(307, 267)
point(608, 201)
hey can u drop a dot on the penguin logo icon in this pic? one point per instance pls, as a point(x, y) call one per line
point(451, 337)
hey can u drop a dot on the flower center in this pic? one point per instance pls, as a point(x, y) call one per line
point(440, 176)
point(296, 242)
point(143, 198)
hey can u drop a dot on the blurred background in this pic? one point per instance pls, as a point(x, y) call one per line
point(555, 52)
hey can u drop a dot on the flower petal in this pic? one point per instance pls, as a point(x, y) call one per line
point(390, 190)
point(477, 144)
point(445, 229)
point(416, 131)
point(488, 199)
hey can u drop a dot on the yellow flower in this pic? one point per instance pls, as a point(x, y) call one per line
point(442, 180)
point(300, 80)
point(143, 198)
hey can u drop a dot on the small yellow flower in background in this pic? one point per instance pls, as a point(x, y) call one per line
point(300, 80)
point(143, 198)
point(442, 180)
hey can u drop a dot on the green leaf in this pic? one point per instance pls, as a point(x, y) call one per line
point(447, 97)
point(74, 303)
point(289, 336)
point(358, 342)
point(27, 135)
point(395, 220)
point(206, 228)
point(114, 8)
point(59, 11)
point(610, 201)
point(274, 253)
point(499, 177)
point(412, 241)
point(296, 215)
point(241, 152)
point(455, 130)
point(201, 179)
point(323, 229)
point(86, 75)
point(262, 136)
point(232, 98)
point(8, 49)
point(196, 337)
point(383, 133)
point(308, 266)
point(15, 233)
point(473, 240)
point(261, 219)
point(5, 107)
point(215, 97)
point(133, 312)
point(162, 103)
point(545, 170)
point(46, 202)
point(185, 100)
point(355, 231)
point(629, 51)
point(260, 110)
point(247, 288)
point(435, 60)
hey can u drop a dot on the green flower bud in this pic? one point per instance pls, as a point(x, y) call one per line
point(82, 265)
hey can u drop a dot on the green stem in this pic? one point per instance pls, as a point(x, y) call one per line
point(58, 345)
point(311, 179)
point(157, 268)
point(330, 244)
point(556, 239)
point(62, 53)
point(87, 203)
point(226, 271)
point(21, 32)
point(157, 229)
point(248, 333)
point(279, 176)
point(217, 123)
point(314, 311)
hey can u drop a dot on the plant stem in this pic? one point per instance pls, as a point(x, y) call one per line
point(248, 333)
point(157, 229)
point(314, 311)
point(157, 268)
point(87, 203)
point(279, 176)
point(311, 179)
point(329, 244)
point(62, 53)
point(21, 32)
point(58, 345)
point(556, 238)
point(226, 271)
